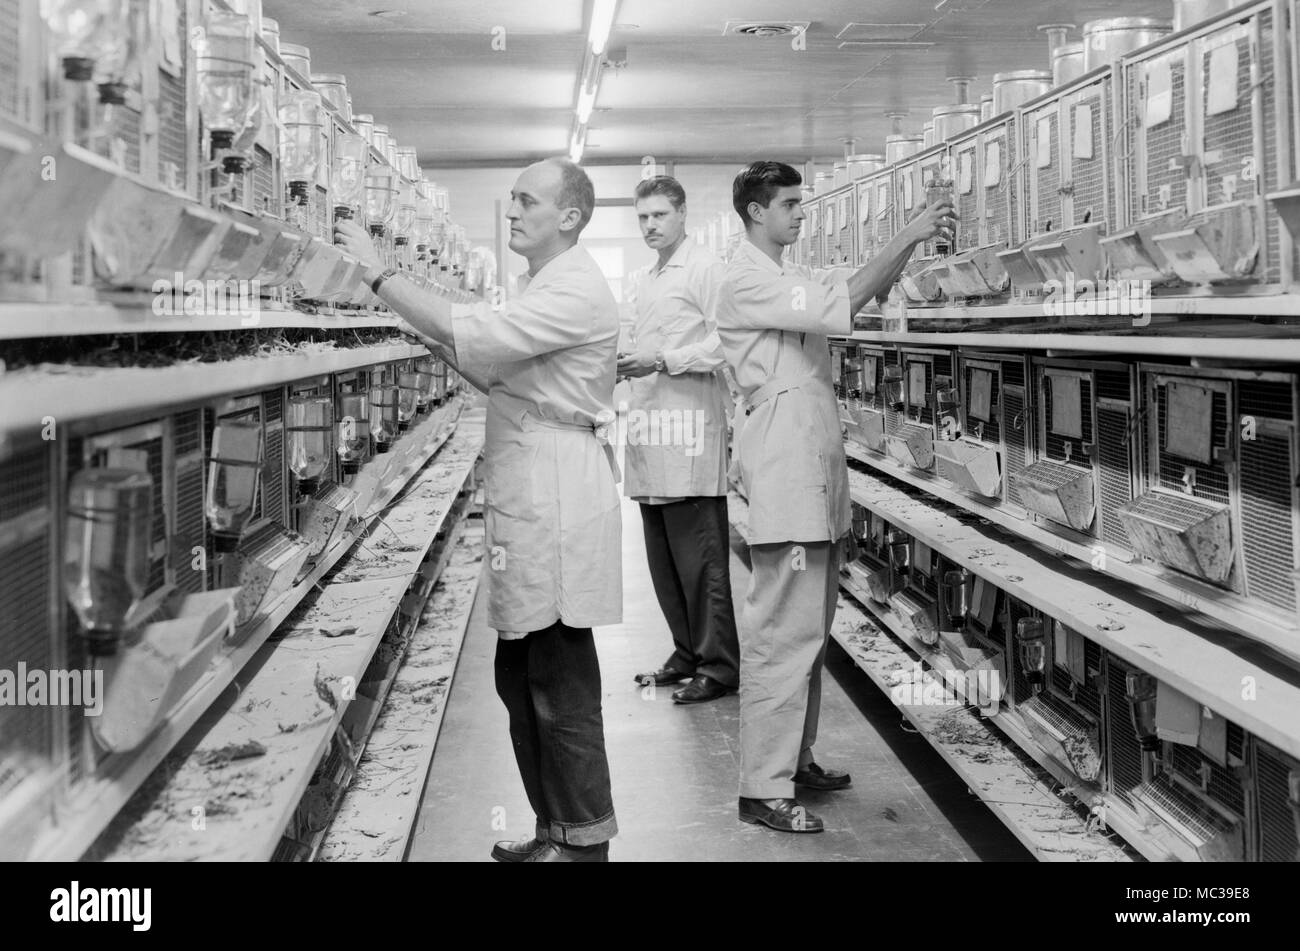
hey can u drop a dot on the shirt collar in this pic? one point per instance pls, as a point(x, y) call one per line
point(678, 259)
point(750, 250)
point(557, 263)
point(682, 253)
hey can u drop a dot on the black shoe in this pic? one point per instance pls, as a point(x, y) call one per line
point(814, 777)
point(661, 677)
point(701, 689)
point(555, 852)
point(783, 815)
point(517, 851)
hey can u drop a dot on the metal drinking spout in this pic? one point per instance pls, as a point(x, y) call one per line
point(1058, 34)
point(961, 86)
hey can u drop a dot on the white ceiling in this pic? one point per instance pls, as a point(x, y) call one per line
point(688, 93)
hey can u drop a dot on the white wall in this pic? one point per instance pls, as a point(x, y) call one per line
point(612, 235)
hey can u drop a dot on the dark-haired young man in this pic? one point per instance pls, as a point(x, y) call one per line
point(551, 508)
point(773, 320)
point(676, 455)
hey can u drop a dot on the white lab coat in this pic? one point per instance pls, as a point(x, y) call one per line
point(677, 419)
point(547, 359)
point(773, 321)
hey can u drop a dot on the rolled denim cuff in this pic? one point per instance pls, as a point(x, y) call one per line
point(583, 833)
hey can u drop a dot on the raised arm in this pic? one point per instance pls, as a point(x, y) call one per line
point(874, 279)
point(545, 318)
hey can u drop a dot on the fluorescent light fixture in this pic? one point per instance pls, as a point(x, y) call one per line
point(886, 44)
point(586, 102)
point(577, 144)
point(602, 21)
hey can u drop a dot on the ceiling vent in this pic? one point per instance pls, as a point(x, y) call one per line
point(765, 27)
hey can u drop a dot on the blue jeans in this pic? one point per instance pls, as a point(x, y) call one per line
point(550, 684)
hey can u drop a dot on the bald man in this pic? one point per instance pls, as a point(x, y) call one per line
point(546, 359)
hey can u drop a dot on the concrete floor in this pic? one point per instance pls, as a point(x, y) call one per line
point(674, 768)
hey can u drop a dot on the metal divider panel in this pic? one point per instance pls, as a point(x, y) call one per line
point(75, 656)
point(173, 133)
point(11, 35)
point(1267, 477)
point(1122, 753)
point(1271, 170)
point(1115, 477)
point(1015, 448)
point(1275, 827)
point(189, 519)
point(273, 501)
point(26, 732)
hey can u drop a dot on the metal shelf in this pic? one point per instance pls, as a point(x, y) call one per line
point(1232, 611)
point(1244, 342)
point(1199, 305)
point(20, 321)
point(1008, 721)
point(93, 805)
point(278, 685)
point(27, 396)
point(1030, 798)
point(1206, 663)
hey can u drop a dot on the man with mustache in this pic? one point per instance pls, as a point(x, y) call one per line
point(677, 462)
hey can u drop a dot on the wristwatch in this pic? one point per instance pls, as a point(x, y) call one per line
point(659, 361)
point(385, 275)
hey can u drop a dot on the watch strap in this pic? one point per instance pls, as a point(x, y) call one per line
point(384, 275)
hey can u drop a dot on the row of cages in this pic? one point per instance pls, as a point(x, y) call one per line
point(113, 529)
point(1188, 473)
point(1176, 165)
point(147, 141)
point(1192, 779)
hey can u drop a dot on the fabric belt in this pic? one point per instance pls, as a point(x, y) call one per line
point(775, 387)
point(600, 429)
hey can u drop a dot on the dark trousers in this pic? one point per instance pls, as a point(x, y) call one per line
point(687, 548)
point(550, 684)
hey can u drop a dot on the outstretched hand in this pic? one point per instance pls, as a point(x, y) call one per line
point(351, 238)
point(933, 221)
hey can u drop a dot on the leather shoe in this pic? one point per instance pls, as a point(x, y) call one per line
point(700, 689)
point(555, 852)
point(661, 677)
point(814, 777)
point(783, 815)
point(516, 851)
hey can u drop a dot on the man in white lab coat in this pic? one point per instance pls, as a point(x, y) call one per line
point(773, 320)
point(546, 360)
point(676, 455)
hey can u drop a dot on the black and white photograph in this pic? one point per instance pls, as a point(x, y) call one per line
point(643, 431)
